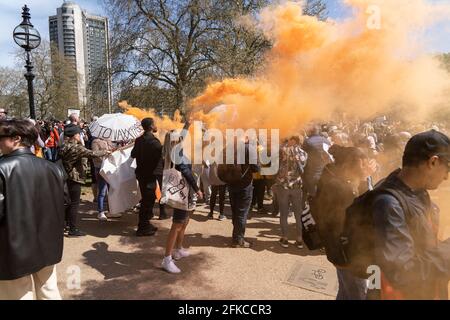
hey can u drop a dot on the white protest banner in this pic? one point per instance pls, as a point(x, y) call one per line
point(116, 127)
point(117, 170)
point(72, 111)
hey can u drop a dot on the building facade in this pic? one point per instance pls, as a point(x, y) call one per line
point(83, 40)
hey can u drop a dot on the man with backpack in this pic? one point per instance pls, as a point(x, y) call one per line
point(337, 188)
point(394, 228)
point(239, 179)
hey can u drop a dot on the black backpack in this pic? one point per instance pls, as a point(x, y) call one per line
point(358, 236)
point(231, 173)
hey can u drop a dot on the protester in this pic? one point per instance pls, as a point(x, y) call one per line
point(288, 188)
point(413, 262)
point(240, 192)
point(337, 188)
point(74, 156)
point(75, 120)
point(99, 145)
point(316, 147)
point(148, 152)
point(31, 221)
point(52, 141)
point(219, 188)
point(180, 217)
point(39, 145)
point(259, 188)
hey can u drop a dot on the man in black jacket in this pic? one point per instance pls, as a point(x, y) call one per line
point(31, 216)
point(414, 263)
point(147, 151)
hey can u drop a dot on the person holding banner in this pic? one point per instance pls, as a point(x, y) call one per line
point(98, 145)
point(73, 155)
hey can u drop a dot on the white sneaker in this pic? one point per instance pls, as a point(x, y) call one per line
point(102, 217)
point(169, 265)
point(180, 253)
point(113, 215)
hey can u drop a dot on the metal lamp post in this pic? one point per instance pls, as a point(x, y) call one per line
point(27, 37)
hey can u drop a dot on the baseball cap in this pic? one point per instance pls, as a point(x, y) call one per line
point(426, 145)
point(71, 130)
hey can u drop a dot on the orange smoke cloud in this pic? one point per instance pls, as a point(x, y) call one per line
point(163, 123)
point(361, 66)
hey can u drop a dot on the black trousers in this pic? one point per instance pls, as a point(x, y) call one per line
point(148, 189)
point(259, 188)
point(73, 204)
point(221, 190)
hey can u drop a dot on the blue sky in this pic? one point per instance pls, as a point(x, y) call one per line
point(10, 17)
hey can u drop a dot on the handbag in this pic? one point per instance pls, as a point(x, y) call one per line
point(175, 189)
point(310, 231)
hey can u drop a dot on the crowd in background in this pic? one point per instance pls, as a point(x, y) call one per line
point(322, 170)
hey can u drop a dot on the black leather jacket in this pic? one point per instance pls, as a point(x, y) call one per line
point(408, 251)
point(31, 214)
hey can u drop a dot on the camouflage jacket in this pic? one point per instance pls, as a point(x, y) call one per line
point(74, 157)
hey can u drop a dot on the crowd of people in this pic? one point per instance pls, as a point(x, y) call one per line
point(333, 170)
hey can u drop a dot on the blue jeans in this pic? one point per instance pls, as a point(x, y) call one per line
point(350, 287)
point(240, 200)
point(102, 190)
point(50, 154)
point(285, 197)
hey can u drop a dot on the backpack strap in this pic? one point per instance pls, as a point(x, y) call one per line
point(243, 175)
point(399, 196)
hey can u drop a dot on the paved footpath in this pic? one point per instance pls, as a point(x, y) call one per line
point(114, 264)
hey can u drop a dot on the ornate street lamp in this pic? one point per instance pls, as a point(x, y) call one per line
point(27, 37)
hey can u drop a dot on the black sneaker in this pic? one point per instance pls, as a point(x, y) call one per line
point(284, 243)
point(222, 217)
point(163, 217)
point(75, 233)
point(242, 244)
point(145, 233)
point(210, 216)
